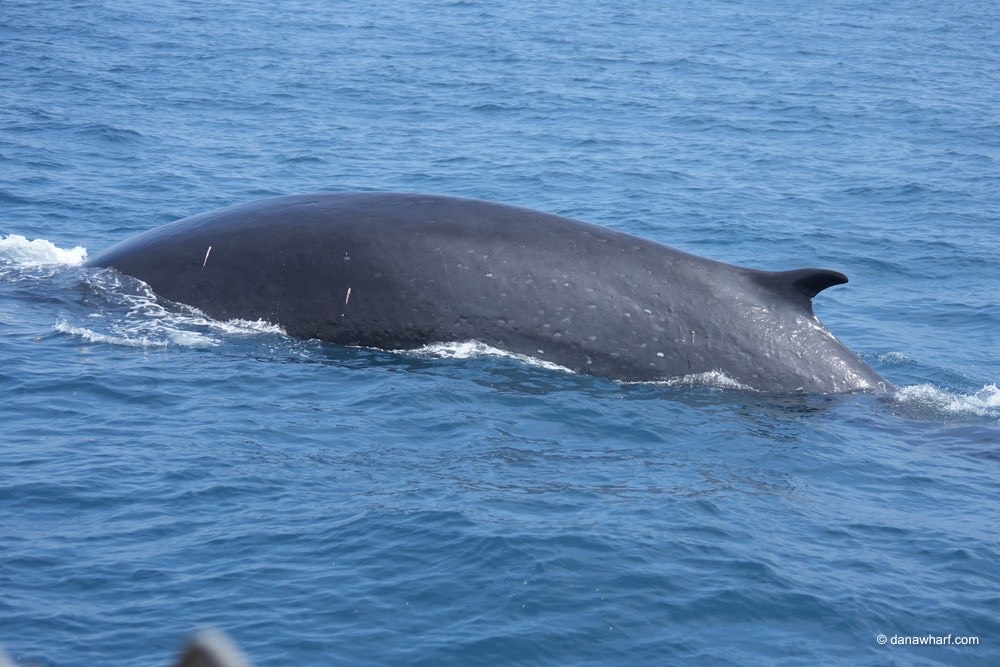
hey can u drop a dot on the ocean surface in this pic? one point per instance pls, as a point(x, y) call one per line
point(161, 472)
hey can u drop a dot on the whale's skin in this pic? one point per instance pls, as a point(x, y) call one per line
point(400, 271)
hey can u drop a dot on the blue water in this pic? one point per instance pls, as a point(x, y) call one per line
point(160, 472)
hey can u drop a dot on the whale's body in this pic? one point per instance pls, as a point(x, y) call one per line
point(400, 271)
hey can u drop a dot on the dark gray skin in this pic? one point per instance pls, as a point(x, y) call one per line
point(400, 271)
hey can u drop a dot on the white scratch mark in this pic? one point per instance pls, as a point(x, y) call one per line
point(207, 252)
point(348, 297)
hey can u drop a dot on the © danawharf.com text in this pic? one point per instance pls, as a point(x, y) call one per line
point(927, 640)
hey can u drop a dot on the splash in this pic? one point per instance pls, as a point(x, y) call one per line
point(983, 403)
point(18, 251)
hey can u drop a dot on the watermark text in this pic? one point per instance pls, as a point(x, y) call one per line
point(927, 640)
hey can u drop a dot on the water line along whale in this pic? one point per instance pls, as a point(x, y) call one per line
point(401, 271)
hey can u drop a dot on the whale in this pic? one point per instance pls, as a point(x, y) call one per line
point(401, 271)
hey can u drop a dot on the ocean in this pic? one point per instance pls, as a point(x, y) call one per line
point(161, 472)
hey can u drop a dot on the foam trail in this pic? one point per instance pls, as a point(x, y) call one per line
point(19, 251)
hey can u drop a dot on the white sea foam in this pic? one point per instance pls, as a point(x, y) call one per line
point(983, 403)
point(475, 348)
point(19, 251)
point(170, 329)
point(246, 327)
point(715, 379)
point(133, 316)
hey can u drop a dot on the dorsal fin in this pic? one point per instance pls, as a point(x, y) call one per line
point(808, 282)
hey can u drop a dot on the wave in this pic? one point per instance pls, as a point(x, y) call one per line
point(109, 133)
point(18, 251)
